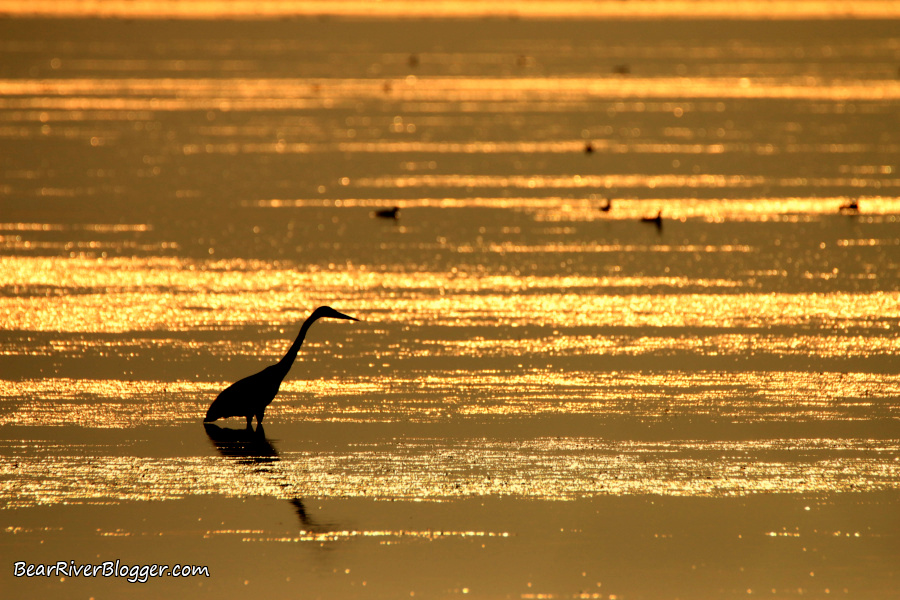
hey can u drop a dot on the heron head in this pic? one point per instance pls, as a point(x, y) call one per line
point(327, 311)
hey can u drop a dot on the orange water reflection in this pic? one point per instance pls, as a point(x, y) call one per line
point(440, 470)
point(130, 94)
point(118, 295)
point(540, 9)
point(174, 203)
point(585, 208)
point(446, 396)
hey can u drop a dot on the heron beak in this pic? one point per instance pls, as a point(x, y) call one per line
point(339, 315)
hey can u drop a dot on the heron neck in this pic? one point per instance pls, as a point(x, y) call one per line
point(288, 360)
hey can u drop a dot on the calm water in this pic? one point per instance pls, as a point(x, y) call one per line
point(542, 399)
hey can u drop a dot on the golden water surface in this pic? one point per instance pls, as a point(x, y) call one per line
point(548, 393)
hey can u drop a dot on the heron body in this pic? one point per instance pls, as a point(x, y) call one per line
point(251, 395)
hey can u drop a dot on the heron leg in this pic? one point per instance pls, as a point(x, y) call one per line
point(249, 421)
point(259, 417)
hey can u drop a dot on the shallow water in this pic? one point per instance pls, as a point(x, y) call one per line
point(542, 399)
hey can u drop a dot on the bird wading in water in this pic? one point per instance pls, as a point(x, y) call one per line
point(251, 395)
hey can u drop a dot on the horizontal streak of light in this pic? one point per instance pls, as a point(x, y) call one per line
point(344, 534)
point(447, 396)
point(176, 275)
point(410, 147)
point(561, 345)
point(636, 181)
point(515, 248)
point(118, 295)
point(149, 65)
point(557, 147)
point(98, 227)
point(406, 9)
point(829, 346)
point(111, 312)
point(87, 247)
point(435, 469)
point(262, 94)
point(529, 147)
point(588, 207)
point(869, 242)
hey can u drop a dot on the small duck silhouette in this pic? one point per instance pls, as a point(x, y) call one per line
point(851, 207)
point(387, 213)
point(657, 220)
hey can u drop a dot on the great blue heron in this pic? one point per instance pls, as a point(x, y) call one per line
point(251, 395)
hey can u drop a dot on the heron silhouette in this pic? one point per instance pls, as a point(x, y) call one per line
point(251, 395)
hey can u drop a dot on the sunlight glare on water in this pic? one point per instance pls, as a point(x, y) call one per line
point(547, 9)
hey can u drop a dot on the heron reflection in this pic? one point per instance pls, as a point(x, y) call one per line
point(252, 448)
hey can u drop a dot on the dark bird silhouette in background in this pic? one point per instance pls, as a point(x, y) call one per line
point(657, 220)
point(623, 69)
point(607, 206)
point(387, 213)
point(251, 395)
point(851, 207)
point(588, 148)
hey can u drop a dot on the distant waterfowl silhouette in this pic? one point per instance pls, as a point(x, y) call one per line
point(251, 395)
point(588, 148)
point(657, 220)
point(622, 69)
point(851, 207)
point(387, 213)
point(607, 206)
